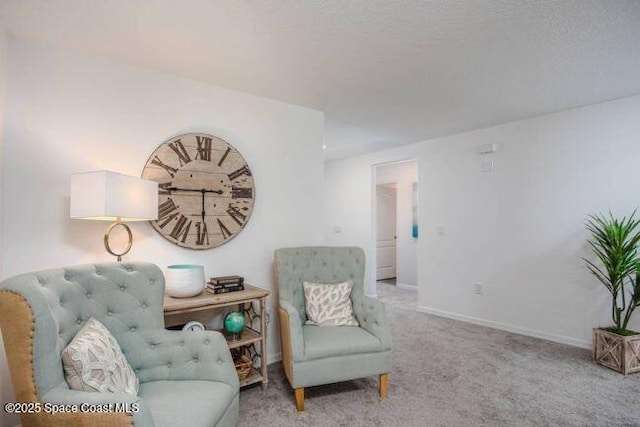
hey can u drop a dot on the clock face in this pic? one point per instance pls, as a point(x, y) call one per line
point(193, 326)
point(205, 190)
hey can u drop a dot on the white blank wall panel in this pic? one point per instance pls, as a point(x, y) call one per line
point(6, 391)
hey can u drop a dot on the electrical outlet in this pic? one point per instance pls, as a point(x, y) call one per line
point(268, 319)
point(477, 288)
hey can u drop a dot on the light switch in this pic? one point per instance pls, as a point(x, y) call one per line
point(488, 166)
point(487, 148)
point(440, 230)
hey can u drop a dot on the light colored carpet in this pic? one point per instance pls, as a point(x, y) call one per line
point(450, 373)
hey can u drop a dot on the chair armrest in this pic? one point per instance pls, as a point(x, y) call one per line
point(370, 313)
point(182, 355)
point(99, 409)
point(295, 330)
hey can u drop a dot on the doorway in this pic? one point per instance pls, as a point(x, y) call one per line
point(395, 224)
point(386, 226)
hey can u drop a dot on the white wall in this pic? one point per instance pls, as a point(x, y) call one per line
point(6, 391)
point(70, 113)
point(519, 230)
point(349, 186)
point(3, 75)
point(403, 175)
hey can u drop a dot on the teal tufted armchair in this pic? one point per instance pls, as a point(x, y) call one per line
point(315, 355)
point(186, 378)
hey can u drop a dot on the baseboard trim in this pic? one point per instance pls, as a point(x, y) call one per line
point(506, 327)
point(407, 287)
point(274, 358)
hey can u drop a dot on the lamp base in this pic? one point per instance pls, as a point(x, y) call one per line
point(106, 240)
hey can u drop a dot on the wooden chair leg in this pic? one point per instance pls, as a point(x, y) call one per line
point(300, 399)
point(384, 382)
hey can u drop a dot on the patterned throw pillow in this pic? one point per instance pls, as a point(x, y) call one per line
point(329, 304)
point(93, 361)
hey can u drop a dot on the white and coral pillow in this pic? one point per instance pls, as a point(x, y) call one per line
point(329, 304)
point(93, 361)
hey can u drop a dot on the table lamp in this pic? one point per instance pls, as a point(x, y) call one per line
point(110, 196)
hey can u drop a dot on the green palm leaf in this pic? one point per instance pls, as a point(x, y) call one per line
point(614, 243)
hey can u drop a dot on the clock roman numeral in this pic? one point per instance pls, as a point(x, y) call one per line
point(166, 208)
point(241, 193)
point(204, 148)
point(167, 211)
point(236, 215)
point(168, 220)
point(201, 234)
point(224, 156)
point(170, 170)
point(163, 188)
point(244, 170)
point(180, 151)
point(225, 231)
point(181, 229)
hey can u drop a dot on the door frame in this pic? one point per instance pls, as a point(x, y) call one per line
point(370, 288)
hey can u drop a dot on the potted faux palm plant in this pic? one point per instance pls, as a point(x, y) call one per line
point(617, 266)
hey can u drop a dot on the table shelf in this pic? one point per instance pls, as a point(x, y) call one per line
point(177, 309)
point(252, 378)
point(249, 336)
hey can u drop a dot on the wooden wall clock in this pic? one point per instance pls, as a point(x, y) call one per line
point(205, 190)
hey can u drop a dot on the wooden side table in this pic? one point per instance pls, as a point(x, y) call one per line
point(254, 332)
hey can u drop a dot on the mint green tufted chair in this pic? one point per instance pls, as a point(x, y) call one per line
point(315, 355)
point(186, 378)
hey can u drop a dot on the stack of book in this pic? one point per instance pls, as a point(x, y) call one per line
point(221, 285)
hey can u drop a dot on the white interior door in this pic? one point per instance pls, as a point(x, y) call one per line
point(386, 232)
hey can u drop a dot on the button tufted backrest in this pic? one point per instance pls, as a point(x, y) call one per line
point(125, 297)
point(319, 264)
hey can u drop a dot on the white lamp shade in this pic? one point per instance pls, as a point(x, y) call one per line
point(111, 196)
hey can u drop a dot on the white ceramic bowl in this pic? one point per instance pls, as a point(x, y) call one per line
point(184, 280)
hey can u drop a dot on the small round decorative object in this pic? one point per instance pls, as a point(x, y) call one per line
point(184, 280)
point(193, 326)
point(125, 251)
point(234, 323)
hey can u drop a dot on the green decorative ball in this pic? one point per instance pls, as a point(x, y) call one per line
point(234, 322)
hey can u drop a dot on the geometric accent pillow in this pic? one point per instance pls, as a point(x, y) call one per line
point(93, 361)
point(329, 304)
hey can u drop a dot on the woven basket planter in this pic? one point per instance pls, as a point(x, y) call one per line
point(618, 352)
point(243, 366)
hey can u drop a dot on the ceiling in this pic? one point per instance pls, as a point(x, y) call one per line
point(384, 72)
